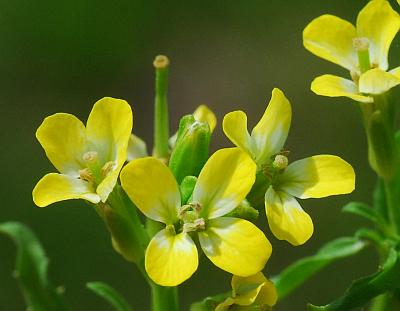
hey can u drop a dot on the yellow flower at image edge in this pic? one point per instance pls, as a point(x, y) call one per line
point(363, 50)
point(313, 177)
point(89, 158)
point(234, 245)
point(254, 292)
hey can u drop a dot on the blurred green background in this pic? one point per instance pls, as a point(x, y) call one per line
point(62, 56)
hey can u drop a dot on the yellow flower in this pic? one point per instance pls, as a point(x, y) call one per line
point(249, 293)
point(313, 177)
point(357, 49)
point(89, 159)
point(234, 245)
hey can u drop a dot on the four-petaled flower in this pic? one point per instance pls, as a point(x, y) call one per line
point(363, 50)
point(313, 177)
point(234, 245)
point(89, 159)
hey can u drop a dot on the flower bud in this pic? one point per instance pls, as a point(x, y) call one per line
point(191, 149)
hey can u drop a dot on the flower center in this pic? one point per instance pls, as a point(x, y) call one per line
point(189, 215)
point(94, 172)
point(361, 45)
point(276, 166)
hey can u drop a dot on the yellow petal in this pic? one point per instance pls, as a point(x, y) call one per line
point(333, 86)
point(63, 138)
point(395, 71)
point(377, 81)
point(224, 182)
point(286, 218)
point(235, 245)
point(58, 187)
point(378, 22)
point(136, 148)
point(269, 135)
point(205, 114)
point(171, 259)
point(235, 128)
point(255, 289)
point(152, 187)
point(331, 38)
point(108, 130)
point(318, 176)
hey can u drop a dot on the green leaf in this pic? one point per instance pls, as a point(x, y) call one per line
point(109, 294)
point(364, 289)
point(209, 303)
point(363, 210)
point(300, 271)
point(31, 269)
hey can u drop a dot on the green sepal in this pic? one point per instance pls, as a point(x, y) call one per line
point(109, 294)
point(299, 272)
point(128, 235)
point(365, 211)
point(210, 303)
point(191, 149)
point(365, 289)
point(381, 146)
point(245, 211)
point(256, 196)
point(31, 269)
point(186, 187)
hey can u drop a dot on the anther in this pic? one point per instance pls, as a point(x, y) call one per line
point(90, 157)
point(86, 174)
point(107, 168)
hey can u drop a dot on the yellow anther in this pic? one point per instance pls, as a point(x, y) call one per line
point(86, 174)
point(90, 157)
point(107, 168)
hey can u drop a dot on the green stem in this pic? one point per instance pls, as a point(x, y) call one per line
point(164, 298)
point(393, 210)
point(385, 302)
point(161, 122)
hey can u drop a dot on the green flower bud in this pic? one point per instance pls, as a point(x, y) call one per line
point(191, 149)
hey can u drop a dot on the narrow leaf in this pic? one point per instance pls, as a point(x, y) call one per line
point(110, 295)
point(363, 210)
point(31, 269)
point(364, 289)
point(300, 271)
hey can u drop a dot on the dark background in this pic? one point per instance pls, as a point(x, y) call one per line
point(62, 56)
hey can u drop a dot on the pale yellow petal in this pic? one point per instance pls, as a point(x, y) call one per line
point(136, 148)
point(235, 245)
point(108, 130)
point(334, 86)
point(255, 289)
point(318, 176)
point(224, 182)
point(235, 128)
point(286, 218)
point(171, 259)
point(63, 138)
point(377, 81)
point(331, 38)
point(379, 23)
point(270, 133)
point(55, 187)
point(395, 71)
point(151, 186)
point(205, 114)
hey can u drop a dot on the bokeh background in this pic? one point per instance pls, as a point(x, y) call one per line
point(62, 56)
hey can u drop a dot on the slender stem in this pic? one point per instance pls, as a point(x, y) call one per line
point(161, 122)
point(393, 210)
point(164, 298)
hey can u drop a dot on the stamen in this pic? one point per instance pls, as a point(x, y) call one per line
point(90, 157)
point(107, 168)
point(86, 174)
